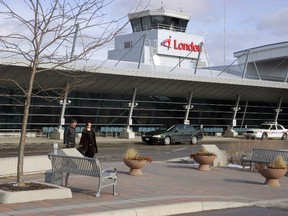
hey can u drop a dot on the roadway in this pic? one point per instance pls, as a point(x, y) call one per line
point(113, 149)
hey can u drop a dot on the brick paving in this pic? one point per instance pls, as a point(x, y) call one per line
point(162, 183)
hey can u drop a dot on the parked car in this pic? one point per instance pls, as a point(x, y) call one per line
point(174, 134)
point(267, 131)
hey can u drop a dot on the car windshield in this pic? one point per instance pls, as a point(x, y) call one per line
point(264, 126)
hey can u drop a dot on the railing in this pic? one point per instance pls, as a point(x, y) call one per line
point(160, 26)
point(17, 132)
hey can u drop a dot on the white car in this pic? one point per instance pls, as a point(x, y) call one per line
point(267, 131)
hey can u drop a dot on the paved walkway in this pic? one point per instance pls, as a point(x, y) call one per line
point(165, 188)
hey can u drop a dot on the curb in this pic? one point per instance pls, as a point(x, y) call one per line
point(172, 209)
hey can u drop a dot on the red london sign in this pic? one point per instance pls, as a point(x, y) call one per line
point(188, 47)
point(191, 47)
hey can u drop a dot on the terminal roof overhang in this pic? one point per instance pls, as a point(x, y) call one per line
point(150, 82)
point(266, 52)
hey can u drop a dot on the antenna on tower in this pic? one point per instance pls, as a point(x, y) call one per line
point(161, 5)
point(181, 8)
point(224, 29)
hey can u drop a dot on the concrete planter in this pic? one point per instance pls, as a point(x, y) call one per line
point(57, 192)
point(135, 166)
point(272, 176)
point(204, 161)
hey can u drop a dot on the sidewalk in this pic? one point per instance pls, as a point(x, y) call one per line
point(166, 188)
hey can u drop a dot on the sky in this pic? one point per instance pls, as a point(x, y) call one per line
point(229, 25)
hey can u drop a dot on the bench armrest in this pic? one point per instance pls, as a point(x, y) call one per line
point(109, 173)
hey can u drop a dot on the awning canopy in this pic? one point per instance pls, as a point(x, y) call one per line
point(117, 80)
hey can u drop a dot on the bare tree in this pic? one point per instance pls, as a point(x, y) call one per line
point(43, 38)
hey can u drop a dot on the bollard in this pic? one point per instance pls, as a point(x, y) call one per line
point(55, 148)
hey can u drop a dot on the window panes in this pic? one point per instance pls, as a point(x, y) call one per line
point(146, 23)
point(106, 110)
point(136, 24)
point(127, 44)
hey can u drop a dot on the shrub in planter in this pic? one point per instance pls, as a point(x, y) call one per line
point(273, 171)
point(135, 162)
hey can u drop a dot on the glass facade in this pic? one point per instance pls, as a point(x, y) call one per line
point(151, 111)
point(158, 22)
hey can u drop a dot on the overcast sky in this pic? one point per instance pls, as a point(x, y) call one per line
point(248, 23)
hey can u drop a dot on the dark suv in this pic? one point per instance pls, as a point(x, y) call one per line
point(174, 134)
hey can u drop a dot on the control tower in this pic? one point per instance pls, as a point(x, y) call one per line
point(159, 37)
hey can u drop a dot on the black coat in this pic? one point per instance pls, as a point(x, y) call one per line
point(88, 143)
point(69, 137)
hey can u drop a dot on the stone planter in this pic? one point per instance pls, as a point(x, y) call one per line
point(135, 166)
point(55, 192)
point(272, 176)
point(204, 161)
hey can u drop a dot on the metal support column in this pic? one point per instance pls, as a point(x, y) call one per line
point(286, 77)
point(188, 107)
point(132, 104)
point(230, 132)
point(142, 49)
point(246, 64)
point(74, 41)
point(244, 114)
point(199, 54)
point(278, 110)
point(62, 121)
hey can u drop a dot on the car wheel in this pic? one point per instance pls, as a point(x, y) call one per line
point(264, 136)
point(284, 137)
point(167, 140)
point(193, 140)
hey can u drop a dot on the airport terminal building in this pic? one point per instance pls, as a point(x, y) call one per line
point(156, 76)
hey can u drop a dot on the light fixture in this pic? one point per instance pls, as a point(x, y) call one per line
point(186, 107)
point(67, 102)
point(234, 108)
point(135, 104)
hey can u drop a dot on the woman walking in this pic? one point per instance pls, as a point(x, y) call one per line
point(88, 143)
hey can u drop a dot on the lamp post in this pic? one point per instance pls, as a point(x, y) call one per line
point(187, 108)
point(128, 133)
point(235, 109)
point(62, 119)
point(59, 132)
point(277, 114)
point(278, 110)
point(130, 105)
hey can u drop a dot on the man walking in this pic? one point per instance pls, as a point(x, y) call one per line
point(70, 134)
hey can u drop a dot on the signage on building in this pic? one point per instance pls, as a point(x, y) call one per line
point(179, 44)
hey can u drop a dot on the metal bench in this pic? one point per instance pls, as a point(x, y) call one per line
point(82, 166)
point(263, 156)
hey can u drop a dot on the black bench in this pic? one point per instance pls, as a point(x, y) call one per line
point(263, 156)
